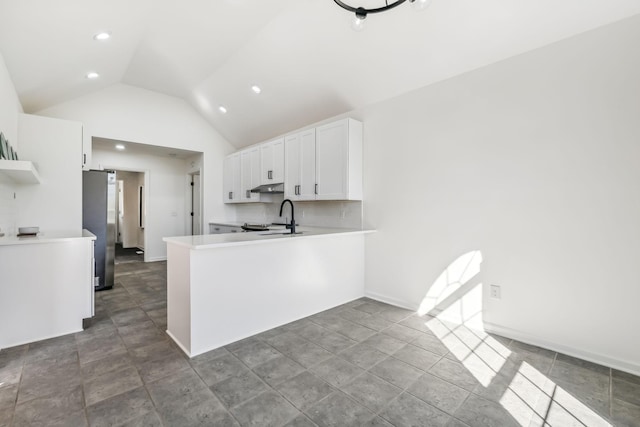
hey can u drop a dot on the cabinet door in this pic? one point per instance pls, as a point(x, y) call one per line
point(278, 160)
point(332, 145)
point(307, 189)
point(291, 166)
point(231, 179)
point(255, 172)
point(272, 162)
point(249, 174)
point(86, 151)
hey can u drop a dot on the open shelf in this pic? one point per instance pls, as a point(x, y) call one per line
point(19, 171)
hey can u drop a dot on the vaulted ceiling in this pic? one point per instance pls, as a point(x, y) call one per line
point(304, 55)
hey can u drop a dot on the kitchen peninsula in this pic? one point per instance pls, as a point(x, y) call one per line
point(225, 287)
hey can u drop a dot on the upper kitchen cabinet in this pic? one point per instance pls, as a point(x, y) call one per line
point(250, 174)
point(231, 182)
point(272, 162)
point(300, 165)
point(339, 160)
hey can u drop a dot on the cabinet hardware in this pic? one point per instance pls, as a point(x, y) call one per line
point(270, 175)
point(84, 159)
point(248, 194)
point(316, 189)
point(230, 195)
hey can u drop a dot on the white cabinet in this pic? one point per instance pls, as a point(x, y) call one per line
point(300, 166)
point(250, 174)
point(272, 162)
point(325, 163)
point(339, 160)
point(231, 179)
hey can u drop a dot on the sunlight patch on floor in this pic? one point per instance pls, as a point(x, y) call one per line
point(530, 397)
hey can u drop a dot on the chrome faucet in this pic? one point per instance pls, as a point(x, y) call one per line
point(292, 225)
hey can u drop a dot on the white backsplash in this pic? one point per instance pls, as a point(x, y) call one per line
point(338, 214)
point(8, 209)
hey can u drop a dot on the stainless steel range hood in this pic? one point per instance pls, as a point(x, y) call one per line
point(269, 189)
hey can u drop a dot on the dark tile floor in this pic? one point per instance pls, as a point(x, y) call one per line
point(125, 255)
point(363, 363)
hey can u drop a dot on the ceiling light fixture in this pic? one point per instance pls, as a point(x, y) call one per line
point(362, 12)
point(119, 147)
point(256, 88)
point(222, 109)
point(93, 75)
point(102, 36)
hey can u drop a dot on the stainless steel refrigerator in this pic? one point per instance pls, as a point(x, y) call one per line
point(99, 217)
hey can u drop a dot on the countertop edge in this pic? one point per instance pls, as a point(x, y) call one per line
point(262, 240)
point(14, 240)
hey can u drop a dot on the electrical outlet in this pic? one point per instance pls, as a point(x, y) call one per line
point(302, 213)
point(495, 291)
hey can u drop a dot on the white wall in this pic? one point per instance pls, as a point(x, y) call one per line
point(55, 146)
point(10, 106)
point(9, 109)
point(534, 161)
point(126, 113)
point(164, 182)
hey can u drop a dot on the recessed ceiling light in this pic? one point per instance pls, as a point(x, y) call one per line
point(256, 88)
point(222, 109)
point(93, 75)
point(102, 36)
point(119, 147)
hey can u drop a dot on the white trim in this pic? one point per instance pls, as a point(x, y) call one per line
point(179, 344)
point(157, 258)
point(390, 300)
point(622, 365)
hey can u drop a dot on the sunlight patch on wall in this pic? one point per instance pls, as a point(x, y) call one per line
point(452, 278)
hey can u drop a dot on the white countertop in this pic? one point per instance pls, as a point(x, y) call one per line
point(208, 241)
point(46, 237)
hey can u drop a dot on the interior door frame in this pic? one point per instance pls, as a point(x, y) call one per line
point(145, 173)
point(190, 191)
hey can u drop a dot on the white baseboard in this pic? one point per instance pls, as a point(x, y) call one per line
point(389, 300)
point(154, 259)
point(179, 344)
point(621, 365)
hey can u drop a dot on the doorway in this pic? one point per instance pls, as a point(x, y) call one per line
point(196, 204)
point(130, 215)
